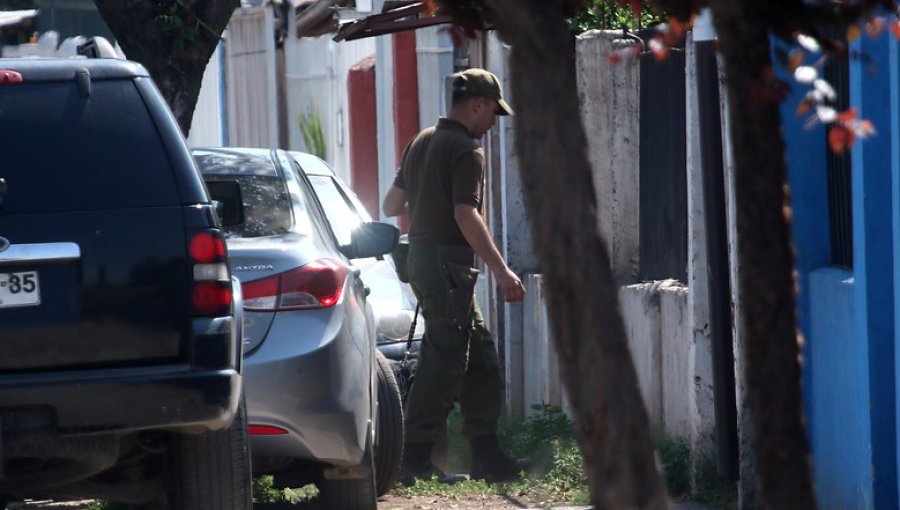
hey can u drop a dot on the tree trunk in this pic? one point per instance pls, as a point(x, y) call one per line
point(174, 45)
point(582, 297)
point(769, 327)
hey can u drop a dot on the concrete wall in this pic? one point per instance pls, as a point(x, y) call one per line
point(702, 411)
point(541, 381)
point(657, 320)
point(746, 457)
point(610, 109)
point(666, 323)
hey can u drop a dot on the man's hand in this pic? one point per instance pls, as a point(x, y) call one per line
point(511, 285)
point(476, 233)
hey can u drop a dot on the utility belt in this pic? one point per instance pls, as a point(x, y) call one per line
point(444, 254)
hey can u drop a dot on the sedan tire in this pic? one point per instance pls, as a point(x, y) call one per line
point(351, 493)
point(390, 430)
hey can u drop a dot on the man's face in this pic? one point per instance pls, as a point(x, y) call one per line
point(485, 116)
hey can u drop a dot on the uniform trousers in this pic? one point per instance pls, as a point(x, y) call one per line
point(458, 358)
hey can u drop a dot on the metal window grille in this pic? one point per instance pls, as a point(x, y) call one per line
point(839, 173)
point(663, 168)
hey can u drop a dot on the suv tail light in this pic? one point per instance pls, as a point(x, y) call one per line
point(211, 292)
point(318, 284)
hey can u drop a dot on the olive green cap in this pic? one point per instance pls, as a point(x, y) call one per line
point(479, 82)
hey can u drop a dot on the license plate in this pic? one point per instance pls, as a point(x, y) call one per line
point(19, 289)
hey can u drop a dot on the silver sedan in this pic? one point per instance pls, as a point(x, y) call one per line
point(311, 368)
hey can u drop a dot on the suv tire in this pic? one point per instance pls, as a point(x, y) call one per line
point(389, 430)
point(212, 470)
point(209, 471)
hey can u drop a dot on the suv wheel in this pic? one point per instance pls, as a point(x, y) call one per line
point(389, 430)
point(210, 471)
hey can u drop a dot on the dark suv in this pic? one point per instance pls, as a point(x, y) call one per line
point(120, 352)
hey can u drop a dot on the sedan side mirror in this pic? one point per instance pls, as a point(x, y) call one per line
point(371, 240)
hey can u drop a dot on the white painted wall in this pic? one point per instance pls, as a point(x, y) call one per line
point(316, 83)
point(434, 60)
point(251, 93)
point(384, 86)
point(207, 124)
point(610, 109)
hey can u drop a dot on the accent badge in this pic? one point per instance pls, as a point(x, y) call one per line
point(4, 243)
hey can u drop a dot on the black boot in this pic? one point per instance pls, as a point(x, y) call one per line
point(492, 464)
point(417, 464)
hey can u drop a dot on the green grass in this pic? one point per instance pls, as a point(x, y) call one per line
point(265, 492)
point(557, 475)
point(714, 492)
point(675, 457)
point(709, 489)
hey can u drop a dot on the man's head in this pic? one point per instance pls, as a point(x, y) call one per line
point(477, 100)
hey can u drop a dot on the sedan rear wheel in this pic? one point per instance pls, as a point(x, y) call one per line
point(351, 493)
point(389, 430)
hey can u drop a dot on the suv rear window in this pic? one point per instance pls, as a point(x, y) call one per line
point(64, 152)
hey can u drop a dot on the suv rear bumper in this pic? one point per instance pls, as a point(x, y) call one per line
point(123, 400)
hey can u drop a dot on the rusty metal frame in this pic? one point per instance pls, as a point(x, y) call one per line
point(405, 17)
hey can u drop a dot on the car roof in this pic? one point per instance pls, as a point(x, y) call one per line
point(245, 160)
point(317, 165)
point(64, 69)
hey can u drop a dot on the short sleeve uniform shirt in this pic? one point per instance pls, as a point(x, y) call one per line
point(442, 167)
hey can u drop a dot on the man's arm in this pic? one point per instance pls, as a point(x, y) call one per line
point(394, 202)
point(478, 237)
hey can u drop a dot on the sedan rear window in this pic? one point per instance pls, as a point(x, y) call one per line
point(341, 216)
point(265, 200)
point(65, 152)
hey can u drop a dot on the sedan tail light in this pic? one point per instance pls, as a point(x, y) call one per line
point(8, 77)
point(318, 284)
point(211, 292)
point(265, 430)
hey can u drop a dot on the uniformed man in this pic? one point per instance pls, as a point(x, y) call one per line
point(440, 184)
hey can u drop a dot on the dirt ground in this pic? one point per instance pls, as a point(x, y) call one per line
point(389, 502)
point(471, 503)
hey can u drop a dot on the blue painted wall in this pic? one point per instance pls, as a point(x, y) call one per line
point(893, 72)
point(842, 449)
point(850, 385)
point(805, 152)
point(873, 257)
